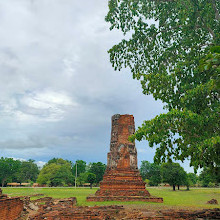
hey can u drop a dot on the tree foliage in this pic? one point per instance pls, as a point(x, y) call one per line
point(91, 178)
point(98, 169)
point(192, 179)
point(57, 172)
point(173, 174)
point(151, 171)
point(8, 168)
point(208, 177)
point(27, 172)
point(59, 161)
point(173, 49)
point(81, 167)
point(82, 178)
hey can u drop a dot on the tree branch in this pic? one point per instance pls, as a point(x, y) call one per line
point(217, 15)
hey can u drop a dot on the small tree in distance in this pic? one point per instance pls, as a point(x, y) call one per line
point(91, 178)
point(81, 167)
point(152, 172)
point(57, 172)
point(98, 169)
point(173, 174)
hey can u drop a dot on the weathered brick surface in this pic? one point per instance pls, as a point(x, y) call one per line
point(10, 208)
point(124, 198)
point(66, 209)
point(190, 215)
point(119, 212)
point(79, 212)
point(122, 180)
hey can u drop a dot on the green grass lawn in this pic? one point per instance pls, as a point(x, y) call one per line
point(196, 198)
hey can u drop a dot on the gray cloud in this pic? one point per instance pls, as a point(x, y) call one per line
point(36, 142)
point(58, 89)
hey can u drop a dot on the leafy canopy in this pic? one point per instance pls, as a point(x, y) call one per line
point(173, 49)
point(91, 178)
point(81, 167)
point(28, 171)
point(98, 169)
point(8, 168)
point(151, 171)
point(57, 172)
point(192, 179)
point(82, 178)
point(173, 174)
point(207, 176)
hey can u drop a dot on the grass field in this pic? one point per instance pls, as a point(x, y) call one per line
point(196, 198)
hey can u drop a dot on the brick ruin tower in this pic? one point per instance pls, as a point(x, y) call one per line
point(122, 180)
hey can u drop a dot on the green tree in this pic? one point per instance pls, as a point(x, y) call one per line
point(192, 178)
point(176, 60)
point(57, 172)
point(81, 167)
point(145, 169)
point(28, 171)
point(63, 177)
point(98, 169)
point(91, 178)
point(82, 178)
point(151, 171)
point(47, 174)
point(173, 174)
point(155, 180)
point(207, 176)
point(59, 161)
point(8, 168)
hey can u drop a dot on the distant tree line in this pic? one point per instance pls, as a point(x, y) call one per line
point(56, 172)
point(60, 172)
point(12, 170)
point(173, 174)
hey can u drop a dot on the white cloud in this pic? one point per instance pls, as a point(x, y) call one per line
point(58, 89)
point(48, 99)
point(44, 105)
point(40, 163)
point(21, 159)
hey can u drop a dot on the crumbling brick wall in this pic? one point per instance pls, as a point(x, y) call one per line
point(119, 212)
point(10, 208)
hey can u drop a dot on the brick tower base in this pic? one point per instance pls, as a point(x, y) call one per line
point(122, 180)
point(123, 185)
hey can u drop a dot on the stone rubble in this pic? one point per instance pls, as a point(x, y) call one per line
point(66, 209)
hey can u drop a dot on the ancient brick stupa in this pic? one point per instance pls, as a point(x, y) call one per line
point(122, 180)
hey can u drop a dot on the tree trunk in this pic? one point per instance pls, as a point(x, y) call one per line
point(187, 188)
point(174, 187)
point(178, 187)
point(90, 185)
point(3, 182)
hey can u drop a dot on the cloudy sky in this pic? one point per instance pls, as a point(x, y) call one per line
point(58, 90)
